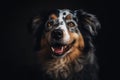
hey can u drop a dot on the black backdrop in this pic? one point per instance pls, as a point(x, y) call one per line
point(17, 59)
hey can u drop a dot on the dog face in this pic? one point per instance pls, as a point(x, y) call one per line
point(62, 32)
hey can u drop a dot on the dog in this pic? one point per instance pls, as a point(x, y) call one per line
point(63, 42)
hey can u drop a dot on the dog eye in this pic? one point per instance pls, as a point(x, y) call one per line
point(49, 24)
point(71, 24)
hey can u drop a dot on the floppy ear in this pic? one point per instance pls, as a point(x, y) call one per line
point(34, 24)
point(88, 22)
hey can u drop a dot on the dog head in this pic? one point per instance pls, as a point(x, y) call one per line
point(61, 32)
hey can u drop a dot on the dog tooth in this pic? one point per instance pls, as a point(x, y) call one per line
point(52, 49)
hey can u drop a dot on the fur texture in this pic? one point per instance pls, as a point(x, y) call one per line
point(63, 43)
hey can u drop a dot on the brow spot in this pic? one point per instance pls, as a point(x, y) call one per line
point(53, 16)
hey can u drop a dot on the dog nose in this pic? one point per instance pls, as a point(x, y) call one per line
point(57, 34)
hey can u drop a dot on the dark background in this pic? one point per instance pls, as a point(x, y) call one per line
point(16, 57)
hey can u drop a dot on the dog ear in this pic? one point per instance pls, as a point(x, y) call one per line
point(34, 24)
point(88, 22)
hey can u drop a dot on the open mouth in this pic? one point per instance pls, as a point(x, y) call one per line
point(60, 49)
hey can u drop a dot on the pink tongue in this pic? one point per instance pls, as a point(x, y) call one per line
point(58, 50)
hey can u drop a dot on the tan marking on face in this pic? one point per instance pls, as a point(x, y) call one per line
point(53, 16)
point(77, 47)
point(68, 17)
point(47, 37)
